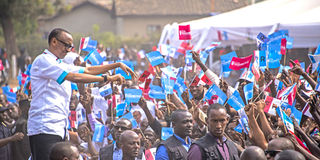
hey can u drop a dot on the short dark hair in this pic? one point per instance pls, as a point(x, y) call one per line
point(174, 116)
point(215, 106)
point(56, 33)
point(61, 150)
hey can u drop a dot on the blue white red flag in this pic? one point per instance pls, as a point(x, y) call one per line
point(87, 44)
point(212, 46)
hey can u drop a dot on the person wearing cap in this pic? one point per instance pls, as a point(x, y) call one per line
point(51, 91)
point(6, 138)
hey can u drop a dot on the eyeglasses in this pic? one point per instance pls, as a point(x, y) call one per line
point(271, 153)
point(121, 127)
point(68, 46)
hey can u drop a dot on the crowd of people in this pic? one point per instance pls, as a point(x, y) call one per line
point(61, 114)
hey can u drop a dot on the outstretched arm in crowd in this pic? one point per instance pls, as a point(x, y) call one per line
point(101, 69)
point(265, 126)
point(154, 124)
point(257, 135)
point(298, 70)
point(314, 108)
point(314, 149)
point(300, 149)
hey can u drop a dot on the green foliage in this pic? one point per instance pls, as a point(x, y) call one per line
point(33, 43)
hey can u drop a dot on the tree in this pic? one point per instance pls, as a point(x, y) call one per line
point(19, 15)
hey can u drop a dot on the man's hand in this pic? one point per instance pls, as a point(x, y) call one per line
point(170, 105)
point(185, 96)
point(224, 86)
point(116, 78)
point(268, 75)
point(260, 106)
point(128, 70)
point(296, 69)
point(142, 103)
point(17, 136)
point(195, 56)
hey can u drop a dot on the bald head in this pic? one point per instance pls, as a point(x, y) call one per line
point(126, 135)
point(130, 143)
point(253, 153)
point(280, 144)
point(289, 155)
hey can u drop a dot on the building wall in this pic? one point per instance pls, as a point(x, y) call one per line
point(138, 25)
point(81, 20)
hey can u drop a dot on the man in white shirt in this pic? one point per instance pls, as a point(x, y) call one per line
point(51, 91)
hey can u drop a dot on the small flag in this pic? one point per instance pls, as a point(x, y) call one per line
point(225, 62)
point(94, 58)
point(248, 91)
point(215, 92)
point(262, 38)
point(167, 84)
point(290, 92)
point(306, 110)
point(212, 46)
point(184, 32)
point(120, 109)
point(155, 58)
point(244, 120)
point(179, 86)
point(105, 90)
point(132, 95)
point(255, 65)
point(236, 101)
point(87, 44)
point(166, 132)
point(144, 76)
point(98, 132)
point(270, 101)
point(156, 92)
point(239, 63)
point(283, 46)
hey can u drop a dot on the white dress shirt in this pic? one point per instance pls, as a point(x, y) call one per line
point(50, 95)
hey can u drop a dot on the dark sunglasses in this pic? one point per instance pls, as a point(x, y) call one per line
point(68, 46)
point(121, 127)
point(272, 153)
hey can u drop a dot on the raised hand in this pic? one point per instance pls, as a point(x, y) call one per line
point(128, 70)
point(296, 69)
point(195, 56)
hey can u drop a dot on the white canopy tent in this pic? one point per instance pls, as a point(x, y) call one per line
point(300, 17)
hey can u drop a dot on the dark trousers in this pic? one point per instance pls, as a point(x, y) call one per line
point(41, 145)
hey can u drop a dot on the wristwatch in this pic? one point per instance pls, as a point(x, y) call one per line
point(105, 77)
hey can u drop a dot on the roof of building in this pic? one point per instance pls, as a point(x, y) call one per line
point(162, 7)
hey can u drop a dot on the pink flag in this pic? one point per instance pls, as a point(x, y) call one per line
point(239, 63)
point(283, 46)
point(184, 32)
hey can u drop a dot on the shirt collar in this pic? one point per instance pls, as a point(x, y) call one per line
point(224, 139)
point(115, 146)
point(182, 140)
point(47, 52)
